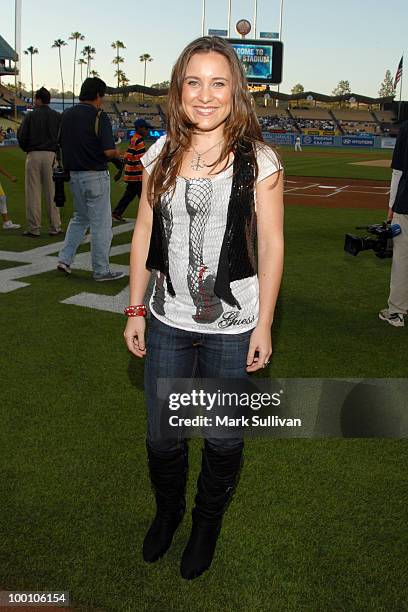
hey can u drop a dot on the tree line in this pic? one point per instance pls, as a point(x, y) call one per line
point(343, 87)
point(88, 55)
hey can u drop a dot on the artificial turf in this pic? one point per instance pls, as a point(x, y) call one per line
point(315, 526)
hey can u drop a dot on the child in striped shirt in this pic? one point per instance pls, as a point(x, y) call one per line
point(133, 168)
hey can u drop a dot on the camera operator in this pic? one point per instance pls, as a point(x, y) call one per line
point(87, 145)
point(398, 212)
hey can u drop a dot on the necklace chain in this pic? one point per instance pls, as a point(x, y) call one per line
point(197, 162)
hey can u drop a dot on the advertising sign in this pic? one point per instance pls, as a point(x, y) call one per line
point(322, 141)
point(358, 141)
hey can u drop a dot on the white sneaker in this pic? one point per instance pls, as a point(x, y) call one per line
point(110, 276)
point(10, 225)
point(64, 267)
point(393, 318)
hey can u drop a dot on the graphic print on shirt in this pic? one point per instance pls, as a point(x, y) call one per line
point(200, 280)
point(159, 296)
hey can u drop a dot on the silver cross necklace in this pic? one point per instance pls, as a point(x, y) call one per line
point(197, 162)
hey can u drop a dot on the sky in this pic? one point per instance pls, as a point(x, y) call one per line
point(324, 40)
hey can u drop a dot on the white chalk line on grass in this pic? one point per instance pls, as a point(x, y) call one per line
point(339, 190)
point(353, 185)
point(303, 187)
point(45, 258)
point(297, 191)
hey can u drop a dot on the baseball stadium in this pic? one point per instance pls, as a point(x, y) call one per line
point(316, 525)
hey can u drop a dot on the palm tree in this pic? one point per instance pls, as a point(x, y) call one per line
point(82, 63)
point(145, 58)
point(94, 73)
point(31, 51)
point(75, 36)
point(88, 52)
point(124, 80)
point(57, 45)
point(118, 60)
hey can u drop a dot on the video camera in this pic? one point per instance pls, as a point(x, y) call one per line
point(381, 244)
point(60, 176)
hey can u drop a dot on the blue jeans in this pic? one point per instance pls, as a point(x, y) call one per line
point(92, 209)
point(175, 353)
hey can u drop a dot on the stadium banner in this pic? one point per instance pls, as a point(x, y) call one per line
point(310, 132)
point(288, 138)
point(318, 141)
point(256, 59)
point(279, 138)
point(388, 143)
point(154, 134)
point(358, 141)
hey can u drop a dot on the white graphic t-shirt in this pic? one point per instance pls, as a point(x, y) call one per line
point(195, 218)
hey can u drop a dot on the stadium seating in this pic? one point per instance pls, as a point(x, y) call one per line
point(385, 116)
point(8, 95)
point(353, 115)
point(6, 123)
point(356, 121)
point(276, 122)
point(311, 113)
point(108, 106)
point(141, 108)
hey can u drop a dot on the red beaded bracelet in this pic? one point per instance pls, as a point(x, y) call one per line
point(136, 311)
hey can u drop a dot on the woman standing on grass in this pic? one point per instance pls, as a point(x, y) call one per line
point(210, 185)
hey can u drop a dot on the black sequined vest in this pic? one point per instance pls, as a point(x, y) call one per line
point(237, 257)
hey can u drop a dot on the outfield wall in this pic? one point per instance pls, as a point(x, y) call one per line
point(307, 140)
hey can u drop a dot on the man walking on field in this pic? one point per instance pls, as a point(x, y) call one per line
point(38, 137)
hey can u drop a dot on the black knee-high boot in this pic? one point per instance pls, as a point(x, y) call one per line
point(168, 475)
point(216, 484)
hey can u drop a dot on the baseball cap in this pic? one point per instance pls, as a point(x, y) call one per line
point(141, 123)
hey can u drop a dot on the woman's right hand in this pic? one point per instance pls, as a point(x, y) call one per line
point(135, 336)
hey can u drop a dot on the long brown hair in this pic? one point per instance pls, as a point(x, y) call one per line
point(241, 124)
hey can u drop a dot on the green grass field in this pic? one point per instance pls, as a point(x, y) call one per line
point(315, 526)
point(335, 162)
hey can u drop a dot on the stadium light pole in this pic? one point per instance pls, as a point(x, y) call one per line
point(255, 16)
point(203, 20)
point(17, 49)
point(229, 19)
point(280, 20)
point(280, 34)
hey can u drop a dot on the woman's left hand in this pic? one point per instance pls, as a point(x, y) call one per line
point(260, 342)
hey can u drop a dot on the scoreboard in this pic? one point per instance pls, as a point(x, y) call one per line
point(260, 59)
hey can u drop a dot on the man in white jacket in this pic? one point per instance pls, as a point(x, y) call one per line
point(398, 212)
